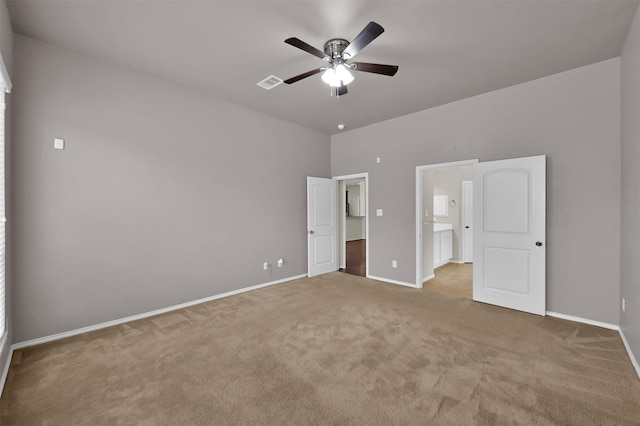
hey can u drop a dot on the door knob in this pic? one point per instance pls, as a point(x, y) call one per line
point(467, 227)
point(311, 232)
point(538, 243)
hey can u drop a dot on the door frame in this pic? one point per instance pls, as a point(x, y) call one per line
point(342, 237)
point(419, 209)
point(463, 209)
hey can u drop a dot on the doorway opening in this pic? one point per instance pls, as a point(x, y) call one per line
point(353, 221)
point(444, 220)
point(509, 248)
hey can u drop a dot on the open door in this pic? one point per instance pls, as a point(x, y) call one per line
point(322, 225)
point(509, 252)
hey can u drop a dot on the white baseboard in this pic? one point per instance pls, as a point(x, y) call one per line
point(387, 280)
point(428, 277)
point(614, 327)
point(87, 329)
point(5, 369)
point(632, 357)
point(583, 320)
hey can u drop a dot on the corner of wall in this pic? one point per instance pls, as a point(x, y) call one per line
point(629, 189)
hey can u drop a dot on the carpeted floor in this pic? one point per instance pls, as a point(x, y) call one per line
point(452, 278)
point(331, 350)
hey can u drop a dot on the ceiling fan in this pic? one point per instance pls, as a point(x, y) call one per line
point(337, 52)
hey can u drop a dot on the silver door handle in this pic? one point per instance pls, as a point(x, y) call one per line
point(311, 232)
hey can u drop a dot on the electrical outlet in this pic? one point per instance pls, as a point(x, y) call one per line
point(265, 266)
point(394, 263)
point(280, 263)
point(624, 307)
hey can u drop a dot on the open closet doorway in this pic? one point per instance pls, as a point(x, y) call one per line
point(353, 216)
point(446, 221)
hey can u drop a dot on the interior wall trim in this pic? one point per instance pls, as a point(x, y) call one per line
point(388, 280)
point(615, 327)
point(87, 329)
point(583, 320)
point(632, 357)
point(429, 277)
point(5, 370)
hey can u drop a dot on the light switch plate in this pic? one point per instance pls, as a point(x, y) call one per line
point(378, 212)
point(58, 143)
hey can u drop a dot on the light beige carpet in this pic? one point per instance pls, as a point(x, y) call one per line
point(452, 278)
point(332, 350)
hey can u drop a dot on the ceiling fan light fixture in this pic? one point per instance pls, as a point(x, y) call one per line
point(337, 76)
point(336, 52)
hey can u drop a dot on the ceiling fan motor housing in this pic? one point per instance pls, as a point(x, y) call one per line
point(334, 47)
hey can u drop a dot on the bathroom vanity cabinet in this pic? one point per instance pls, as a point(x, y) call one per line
point(442, 244)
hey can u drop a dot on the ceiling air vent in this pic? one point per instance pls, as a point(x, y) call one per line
point(270, 82)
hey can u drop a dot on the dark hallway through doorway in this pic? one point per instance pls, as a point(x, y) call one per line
point(356, 257)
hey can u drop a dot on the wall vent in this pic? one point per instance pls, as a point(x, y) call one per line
point(270, 82)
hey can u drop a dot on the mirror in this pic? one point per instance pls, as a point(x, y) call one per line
point(440, 205)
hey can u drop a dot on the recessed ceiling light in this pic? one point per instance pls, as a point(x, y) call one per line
point(340, 126)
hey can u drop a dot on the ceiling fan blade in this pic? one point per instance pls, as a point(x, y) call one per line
point(296, 42)
point(376, 68)
point(342, 90)
point(303, 75)
point(366, 36)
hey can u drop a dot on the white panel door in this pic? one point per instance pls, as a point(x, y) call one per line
point(467, 221)
point(322, 225)
point(509, 235)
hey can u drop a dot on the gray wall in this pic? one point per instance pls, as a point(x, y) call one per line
point(6, 47)
point(630, 177)
point(572, 117)
point(161, 196)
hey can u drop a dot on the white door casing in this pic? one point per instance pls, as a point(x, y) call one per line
point(509, 246)
point(467, 221)
point(322, 225)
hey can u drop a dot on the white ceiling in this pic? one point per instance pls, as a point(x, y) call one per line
point(446, 50)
